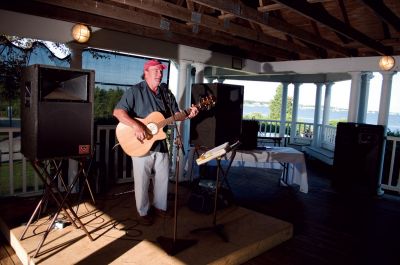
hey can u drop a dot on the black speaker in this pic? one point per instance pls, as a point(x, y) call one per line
point(249, 134)
point(223, 122)
point(56, 112)
point(357, 157)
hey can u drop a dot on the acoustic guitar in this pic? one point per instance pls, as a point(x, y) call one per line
point(154, 123)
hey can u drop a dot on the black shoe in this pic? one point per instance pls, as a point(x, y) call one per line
point(146, 220)
point(160, 213)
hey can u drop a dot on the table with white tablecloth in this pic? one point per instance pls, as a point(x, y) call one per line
point(284, 156)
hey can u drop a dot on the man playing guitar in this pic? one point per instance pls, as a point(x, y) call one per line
point(138, 102)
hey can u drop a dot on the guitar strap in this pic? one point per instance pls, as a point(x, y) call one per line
point(166, 103)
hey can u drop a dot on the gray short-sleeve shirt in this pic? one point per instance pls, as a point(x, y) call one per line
point(139, 101)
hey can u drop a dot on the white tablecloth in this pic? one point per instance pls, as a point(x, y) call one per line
point(266, 158)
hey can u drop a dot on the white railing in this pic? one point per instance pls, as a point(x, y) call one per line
point(115, 162)
point(115, 166)
point(327, 135)
point(15, 171)
point(304, 130)
point(391, 167)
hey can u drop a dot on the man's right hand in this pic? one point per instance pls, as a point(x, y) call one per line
point(140, 133)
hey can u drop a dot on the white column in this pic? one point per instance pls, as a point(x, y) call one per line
point(317, 114)
point(293, 129)
point(383, 116)
point(364, 94)
point(282, 126)
point(199, 76)
point(384, 104)
point(327, 108)
point(183, 99)
point(354, 96)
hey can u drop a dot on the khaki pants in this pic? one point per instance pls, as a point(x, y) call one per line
point(142, 172)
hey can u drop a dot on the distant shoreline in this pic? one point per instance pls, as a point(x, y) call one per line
point(306, 114)
point(251, 103)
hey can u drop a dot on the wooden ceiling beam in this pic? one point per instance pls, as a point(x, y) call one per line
point(95, 8)
point(383, 12)
point(269, 8)
point(190, 5)
point(226, 16)
point(251, 14)
point(180, 2)
point(344, 12)
point(345, 16)
point(320, 15)
point(273, 7)
point(177, 12)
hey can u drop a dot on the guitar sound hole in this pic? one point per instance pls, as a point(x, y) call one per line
point(153, 128)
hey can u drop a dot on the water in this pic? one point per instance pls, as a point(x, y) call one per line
point(306, 114)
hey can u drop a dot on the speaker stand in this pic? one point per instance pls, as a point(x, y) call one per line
point(51, 189)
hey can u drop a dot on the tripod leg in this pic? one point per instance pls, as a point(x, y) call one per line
point(48, 182)
point(35, 212)
point(89, 188)
point(70, 208)
point(50, 186)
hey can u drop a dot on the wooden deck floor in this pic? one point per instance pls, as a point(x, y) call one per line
point(329, 227)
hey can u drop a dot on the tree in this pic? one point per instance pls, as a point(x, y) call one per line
point(276, 103)
point(11, 67)
point(105, 101)
point(14, 55)
point(255, 115)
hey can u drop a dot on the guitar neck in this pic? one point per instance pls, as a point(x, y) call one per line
point(178, 116)
point(181, 115)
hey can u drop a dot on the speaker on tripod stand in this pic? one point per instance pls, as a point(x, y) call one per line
point(56, 112)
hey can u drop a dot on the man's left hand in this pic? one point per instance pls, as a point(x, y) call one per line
point(193, 111)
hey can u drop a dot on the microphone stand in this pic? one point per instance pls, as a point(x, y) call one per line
point(173, 245)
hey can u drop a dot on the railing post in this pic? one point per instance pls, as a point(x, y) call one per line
point(293, 129)
point(11, 161)
point(317, 111)
point(326, 111)
point(282, 125)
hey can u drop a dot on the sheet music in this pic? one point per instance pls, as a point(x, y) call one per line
point(213, 153)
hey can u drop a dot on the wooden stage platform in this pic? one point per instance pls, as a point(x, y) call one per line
point(120, 239)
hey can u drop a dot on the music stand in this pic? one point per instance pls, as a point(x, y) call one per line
point(217, 153)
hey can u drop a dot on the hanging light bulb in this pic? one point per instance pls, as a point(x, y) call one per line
point(80, 33)
point(386, 63)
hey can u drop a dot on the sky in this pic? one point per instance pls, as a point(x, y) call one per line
point(340, 92)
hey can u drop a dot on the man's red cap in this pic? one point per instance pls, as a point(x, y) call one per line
point(153, 63)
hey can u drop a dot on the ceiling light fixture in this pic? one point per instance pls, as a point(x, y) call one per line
point(386, 63)
point(80, 33)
